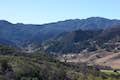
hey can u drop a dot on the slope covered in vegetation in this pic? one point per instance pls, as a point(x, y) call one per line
point(41, 66)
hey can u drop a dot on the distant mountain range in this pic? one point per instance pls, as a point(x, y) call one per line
point(63, 36)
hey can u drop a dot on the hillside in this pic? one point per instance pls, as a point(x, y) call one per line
point(66, 50)
point(70, 42)
point(85, 40)
point(102, 58)
point(40, 66)
point(25, 34)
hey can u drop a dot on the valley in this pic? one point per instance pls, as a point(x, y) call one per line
point(59, 40)
point(80, 49)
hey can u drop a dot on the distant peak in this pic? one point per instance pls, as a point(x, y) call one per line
point(19, 23)
point(96, 18)
point(4, 22)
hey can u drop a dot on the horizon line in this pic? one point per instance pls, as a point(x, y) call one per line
point(57, 20)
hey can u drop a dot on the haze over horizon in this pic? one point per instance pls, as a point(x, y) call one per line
point(46, 11)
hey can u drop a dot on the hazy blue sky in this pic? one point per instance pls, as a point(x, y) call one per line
point(45, 11)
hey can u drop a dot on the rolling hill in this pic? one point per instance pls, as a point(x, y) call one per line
point(24, 34)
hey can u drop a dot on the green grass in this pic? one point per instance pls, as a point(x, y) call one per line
point(110, 72)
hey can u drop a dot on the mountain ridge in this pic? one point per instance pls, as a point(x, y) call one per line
point(25, 34)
